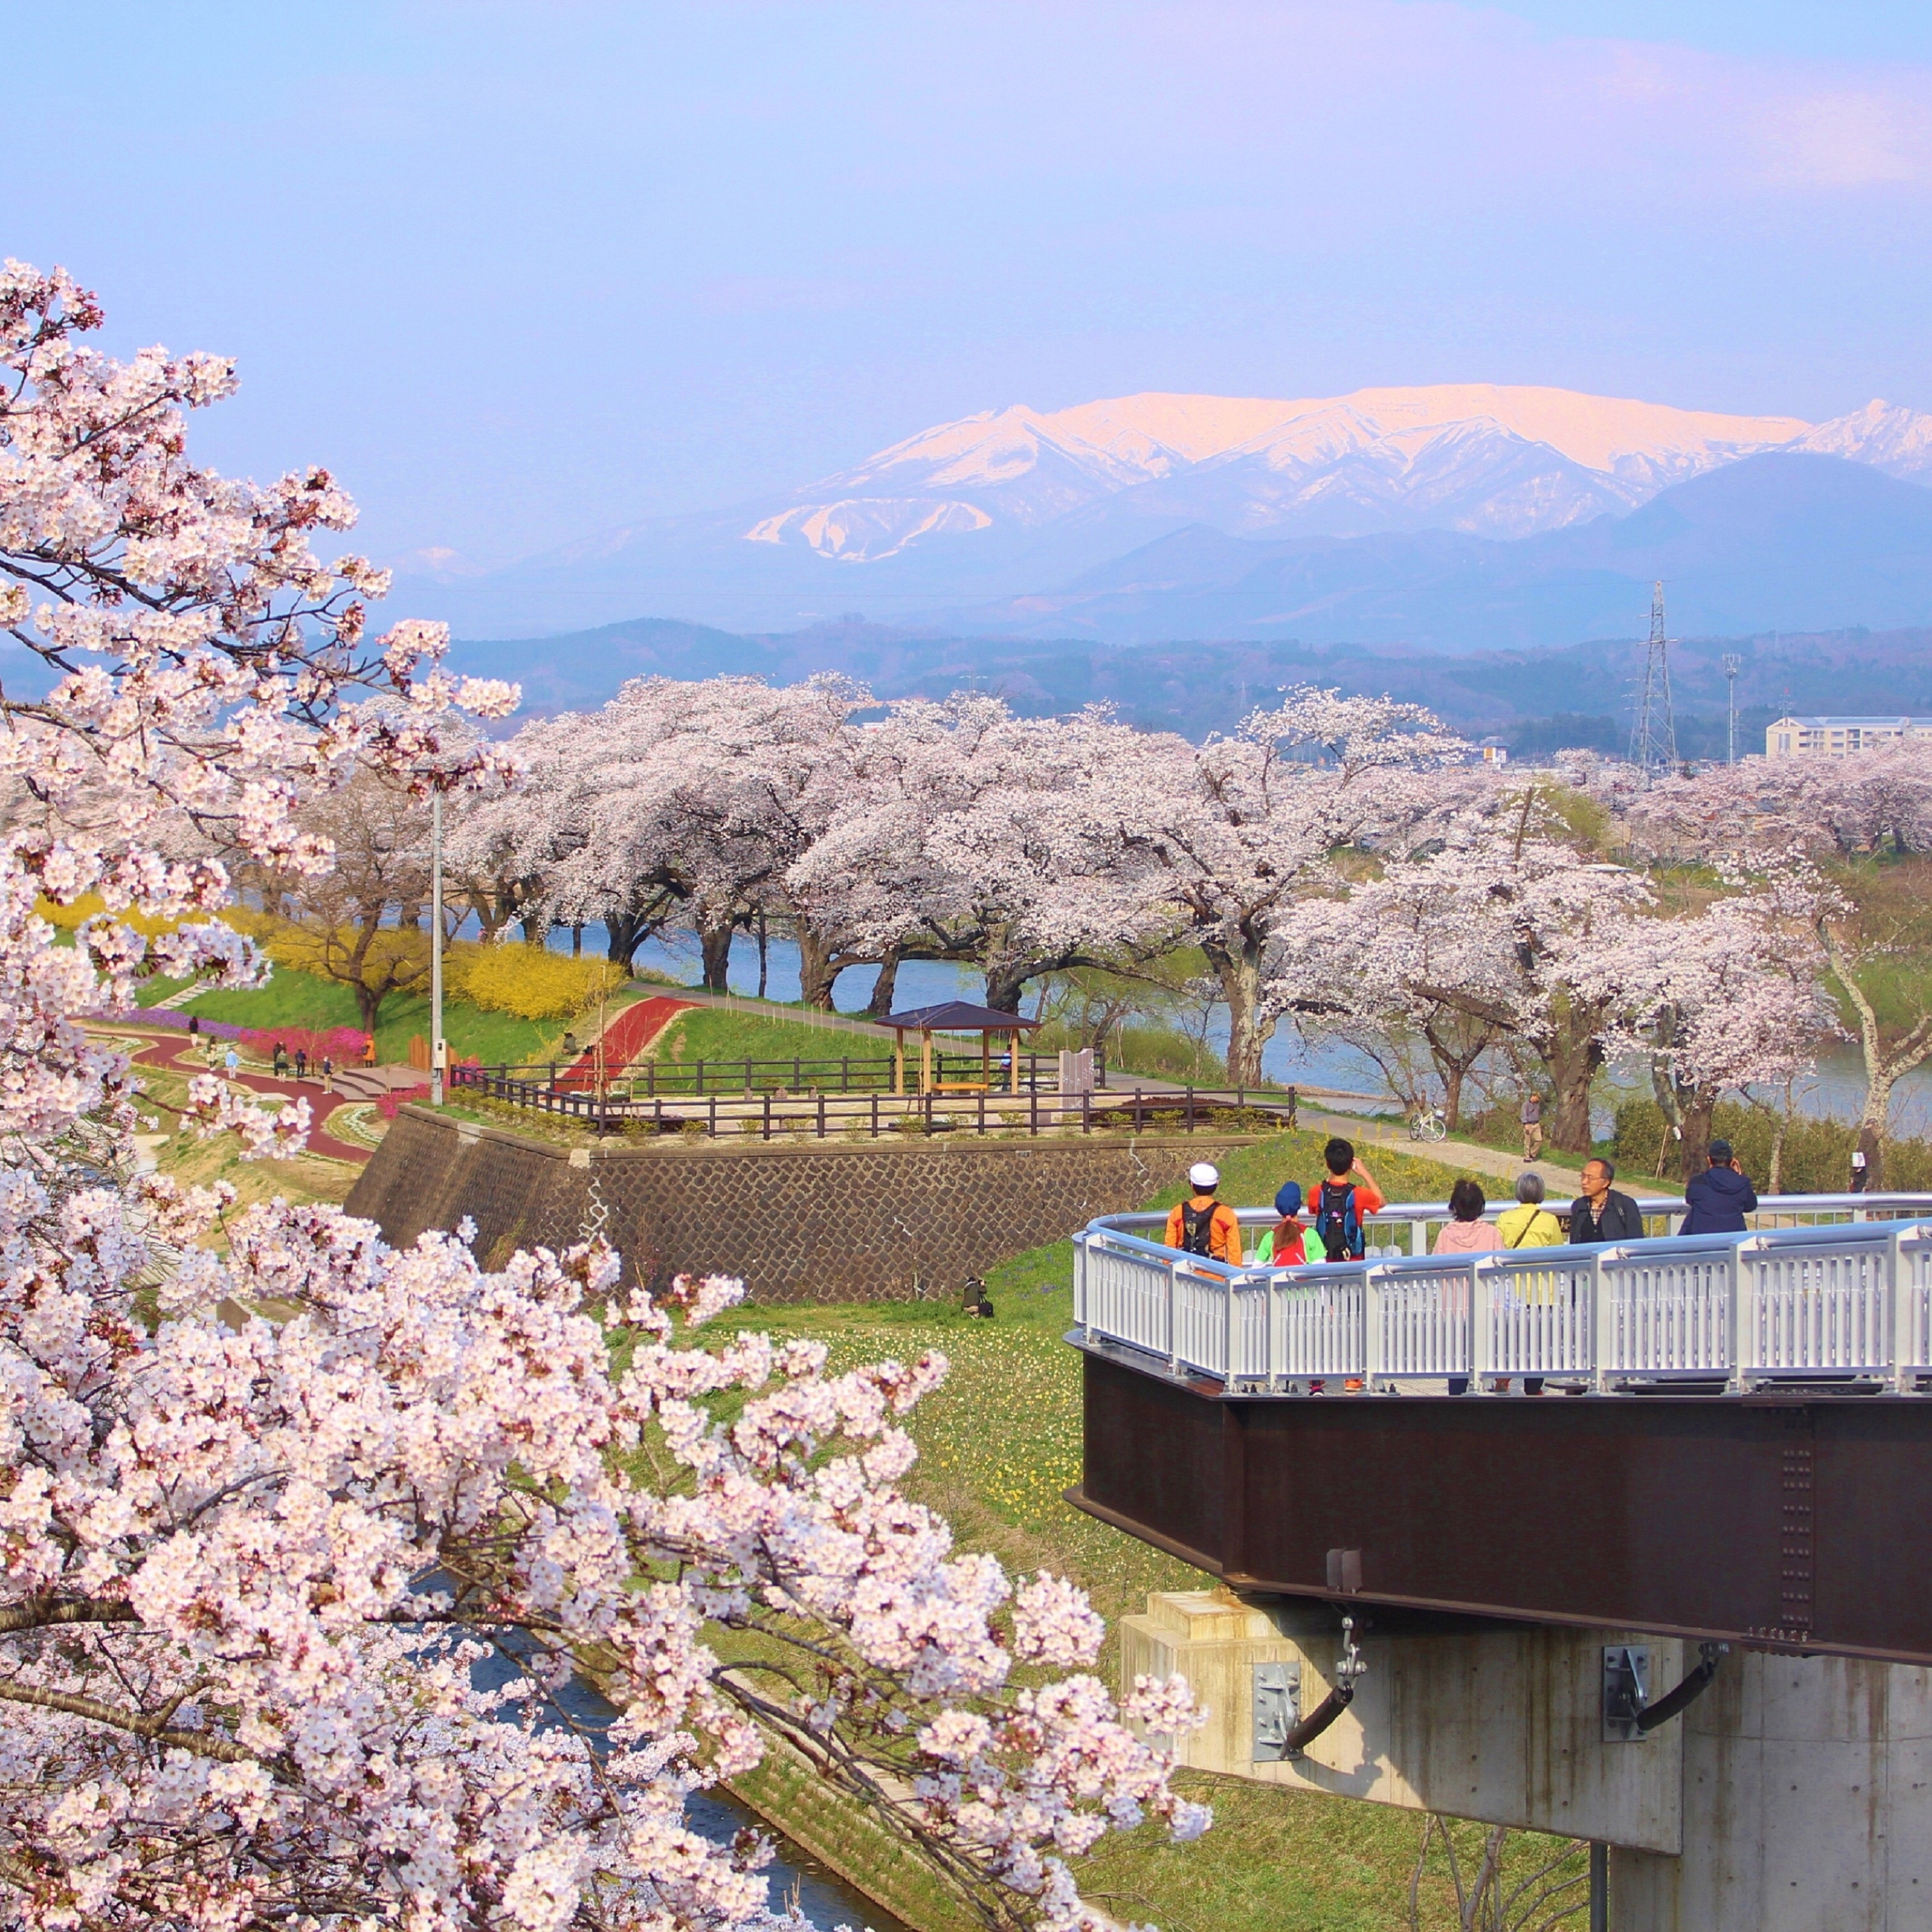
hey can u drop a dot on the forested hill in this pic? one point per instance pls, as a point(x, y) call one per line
point(1576, 693)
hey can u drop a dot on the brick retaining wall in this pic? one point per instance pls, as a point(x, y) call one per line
point(821, 1222)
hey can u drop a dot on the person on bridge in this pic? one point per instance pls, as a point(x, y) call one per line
point(1602, 1212)
point(1287, 1243)
point(1466, 1232)
point(1529, 1224)
point(1202, 1225)
point(1720, 1197)
point(1343, 1203)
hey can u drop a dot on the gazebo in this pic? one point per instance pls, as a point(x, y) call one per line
point(955, 1016)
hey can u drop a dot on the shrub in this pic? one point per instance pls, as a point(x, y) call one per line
point(1817, 1153)
point(531, 983)
point(345, 1046)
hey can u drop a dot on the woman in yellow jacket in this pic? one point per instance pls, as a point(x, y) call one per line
point(1529, 1224)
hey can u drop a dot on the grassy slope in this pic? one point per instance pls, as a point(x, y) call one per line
point(718, 1033)
point(304, 999)
point(998, 1446)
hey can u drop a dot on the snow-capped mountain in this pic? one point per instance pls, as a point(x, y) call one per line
point(1479, 457)
point(1020, 503)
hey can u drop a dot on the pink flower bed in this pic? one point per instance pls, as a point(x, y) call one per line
point(345, 1046)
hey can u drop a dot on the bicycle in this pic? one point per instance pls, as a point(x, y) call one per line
point(1426, 1123)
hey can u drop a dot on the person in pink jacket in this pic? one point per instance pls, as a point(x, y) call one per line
point(1466, 1232)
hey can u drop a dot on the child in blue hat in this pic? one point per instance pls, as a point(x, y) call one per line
point(1281, 1246)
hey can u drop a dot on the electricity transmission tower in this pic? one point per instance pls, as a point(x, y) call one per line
point(1733, 664)
point(1653, 747)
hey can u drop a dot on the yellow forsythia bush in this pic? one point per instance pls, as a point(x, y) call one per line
point(529, 982)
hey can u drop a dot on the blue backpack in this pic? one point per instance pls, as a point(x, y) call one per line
point(1338, 1223)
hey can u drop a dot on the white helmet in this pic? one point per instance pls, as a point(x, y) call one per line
point(1205, 1176)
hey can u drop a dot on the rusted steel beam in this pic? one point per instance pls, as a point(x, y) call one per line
point(1791, 1521)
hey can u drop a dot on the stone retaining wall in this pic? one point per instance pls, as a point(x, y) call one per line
point(820, 1221)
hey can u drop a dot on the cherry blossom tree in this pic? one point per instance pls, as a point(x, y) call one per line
point(304, 1541)
point(1727, 999)
point(1236, 837)
point(971, 834)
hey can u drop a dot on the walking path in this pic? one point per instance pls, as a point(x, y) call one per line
point(624, 1037)
point(1566, 1182)
point(182, 1056)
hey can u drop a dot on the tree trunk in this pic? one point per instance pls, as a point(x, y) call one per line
point(576, 942)
point(817, 969)
point(1695, 1154)
point(764, 961)
point(884, 987)
point(1571, 1065)
point(714, 944)
point(1873, 1123)
point(1006, 984)
point(625, 933)
point(1239, 974)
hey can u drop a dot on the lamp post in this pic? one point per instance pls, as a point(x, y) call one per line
point(1733, 664)
point(436, 1053)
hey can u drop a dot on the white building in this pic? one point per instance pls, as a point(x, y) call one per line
point(1838, 737)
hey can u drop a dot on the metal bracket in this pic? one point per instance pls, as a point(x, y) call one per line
point(1277, 1709)
point(1626, 1690)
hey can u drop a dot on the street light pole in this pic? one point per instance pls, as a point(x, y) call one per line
point(1733, 664)
point(436, 1053)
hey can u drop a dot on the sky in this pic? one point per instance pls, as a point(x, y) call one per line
point(518, 273)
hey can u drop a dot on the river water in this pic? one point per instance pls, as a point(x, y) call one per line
point(1835, 1089)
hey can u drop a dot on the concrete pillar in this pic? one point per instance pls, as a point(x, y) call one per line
point(1794, 1795)
point(1808, 1805)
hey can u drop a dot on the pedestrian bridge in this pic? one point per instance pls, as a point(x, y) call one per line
point(1734, 1439)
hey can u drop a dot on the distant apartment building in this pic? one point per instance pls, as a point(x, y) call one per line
point(1838, 737)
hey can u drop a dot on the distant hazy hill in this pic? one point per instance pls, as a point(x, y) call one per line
point(1018, 503)
point(1200, 687)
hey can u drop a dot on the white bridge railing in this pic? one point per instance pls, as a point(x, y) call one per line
point(1816, 1295)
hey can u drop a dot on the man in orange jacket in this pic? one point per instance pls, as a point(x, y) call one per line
point(1201, 1225)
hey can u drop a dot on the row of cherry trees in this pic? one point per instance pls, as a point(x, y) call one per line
point(1336, 861)
point(304, 1541)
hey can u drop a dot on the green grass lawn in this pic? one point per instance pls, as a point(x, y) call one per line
point(292, 999)
point(999, 1444)
point(721, 1033)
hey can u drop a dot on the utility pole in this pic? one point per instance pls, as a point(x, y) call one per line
point(1733, 664)
point(436, 1051)
point(1654, 736)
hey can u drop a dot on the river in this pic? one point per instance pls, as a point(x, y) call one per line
point(1835, 1089)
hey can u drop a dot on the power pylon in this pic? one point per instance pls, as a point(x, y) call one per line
point(1653, 748)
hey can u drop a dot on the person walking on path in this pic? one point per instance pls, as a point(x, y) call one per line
point(233, 1061)
point(1202, 1225)
point(1529, 1224)
point(327, 1075)
point(1720, 1197)
point(1287, 1243)
point(301, 1062)
point(1466, 1232)
point(1532, 1125)
point(1602, 1212)
point(280, 1061)
point(1342, 1202)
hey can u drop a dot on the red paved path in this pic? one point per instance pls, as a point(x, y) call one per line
point(624, 1038)
point(183, 1056)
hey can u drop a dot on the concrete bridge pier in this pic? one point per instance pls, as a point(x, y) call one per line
point(1806, 1805)
point(1794, 1794)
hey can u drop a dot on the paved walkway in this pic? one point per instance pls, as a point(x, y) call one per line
point(1564, 1183)
point(625, 1035)
point(182, 1056)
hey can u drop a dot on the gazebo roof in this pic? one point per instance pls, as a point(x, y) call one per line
point(956, 1016)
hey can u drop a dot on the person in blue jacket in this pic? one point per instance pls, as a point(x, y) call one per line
point(1720, 1197)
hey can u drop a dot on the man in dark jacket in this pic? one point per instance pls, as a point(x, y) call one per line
point(1720, 1197)
point(1602, 1212)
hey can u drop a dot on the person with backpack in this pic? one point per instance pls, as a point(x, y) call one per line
point(1343, 1203)
point(1291, 1242)
point(1202, 1225)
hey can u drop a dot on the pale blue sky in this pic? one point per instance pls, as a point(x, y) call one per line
point(518, 272)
